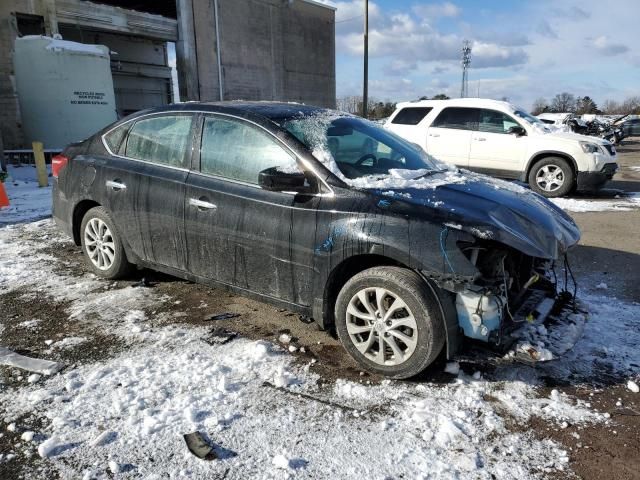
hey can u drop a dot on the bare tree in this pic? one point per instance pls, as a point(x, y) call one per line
point(539, 106)
point(563, 102)
point(631, 106)
point(611, 107)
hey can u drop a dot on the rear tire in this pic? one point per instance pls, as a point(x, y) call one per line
point(102, 246)
point(390, 322)
point(552, 177)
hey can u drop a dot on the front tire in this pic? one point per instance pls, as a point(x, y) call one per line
point(102, 246)
point(389, 321)
point(552, 177)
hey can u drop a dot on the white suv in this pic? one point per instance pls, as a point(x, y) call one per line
point(499, 139)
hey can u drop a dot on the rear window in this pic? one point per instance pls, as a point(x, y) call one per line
point(161, 139)
point(114, 138)
point(411, 115)
point(458, 118)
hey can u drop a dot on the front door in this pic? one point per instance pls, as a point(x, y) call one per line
point(238, 233)
point(494, 150)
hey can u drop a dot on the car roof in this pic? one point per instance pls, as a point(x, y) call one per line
point(275, 111)
point(458, 102)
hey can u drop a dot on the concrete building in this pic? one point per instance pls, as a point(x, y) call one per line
point(225, 49)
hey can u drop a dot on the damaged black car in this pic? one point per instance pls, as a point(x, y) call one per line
point(322, 213)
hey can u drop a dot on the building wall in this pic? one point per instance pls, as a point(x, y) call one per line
point(269, 50)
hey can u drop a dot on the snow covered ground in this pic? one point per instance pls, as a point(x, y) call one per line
point(268, 415)
point(27, 200)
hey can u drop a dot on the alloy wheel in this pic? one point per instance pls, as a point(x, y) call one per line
point(550, 178)
point(99, 243)
point(381, 326)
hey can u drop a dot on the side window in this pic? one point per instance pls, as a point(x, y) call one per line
point(492, 121)
point(457, 118)
point(411, 115)
point(238, 151)
point(114, 138)
point(160, 139)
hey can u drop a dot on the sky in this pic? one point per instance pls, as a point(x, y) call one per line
point(521, 50)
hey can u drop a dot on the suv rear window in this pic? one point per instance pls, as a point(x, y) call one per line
point(411, 115)
point(458, 118)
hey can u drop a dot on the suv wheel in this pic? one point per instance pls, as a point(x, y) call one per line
point(102, 246)
point(552, 177)
point(389, 321)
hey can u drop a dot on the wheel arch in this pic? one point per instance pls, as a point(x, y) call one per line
point(545, 154)
point(349, 267)
point(79, 212)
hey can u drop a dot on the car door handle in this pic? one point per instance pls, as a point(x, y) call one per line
point(480, 139)
point(202, 204)
point(115, 186)
point(434, 134)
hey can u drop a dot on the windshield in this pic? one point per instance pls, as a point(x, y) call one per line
point(358, 147)
point(528, 117)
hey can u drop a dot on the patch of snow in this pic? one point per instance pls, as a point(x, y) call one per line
point(452, 367)
point(626, 203)
point(27, 201)
point(27, 436)
point(69, 342)
point(633, 386)
point(602, 286)
point(33, 378)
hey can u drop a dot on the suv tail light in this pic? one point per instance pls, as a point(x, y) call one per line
point(58, 163)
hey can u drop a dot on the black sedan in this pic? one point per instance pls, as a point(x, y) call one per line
point(323, 213)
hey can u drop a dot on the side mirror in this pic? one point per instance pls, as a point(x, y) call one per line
point(278, 181)
point(517, 130)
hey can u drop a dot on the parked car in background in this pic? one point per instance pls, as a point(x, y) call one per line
point(499, 139)
point(401, 255)
point(630, 127)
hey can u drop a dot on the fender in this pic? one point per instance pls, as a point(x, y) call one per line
point(546, 153)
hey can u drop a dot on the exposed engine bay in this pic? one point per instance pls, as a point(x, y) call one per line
point(515, 294)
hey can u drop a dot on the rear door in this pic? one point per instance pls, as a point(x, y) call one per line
point(238, 233)
point(145, 186)
point(449, 135)
point(494, 151)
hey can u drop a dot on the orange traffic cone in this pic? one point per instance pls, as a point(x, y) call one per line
point(4, 200)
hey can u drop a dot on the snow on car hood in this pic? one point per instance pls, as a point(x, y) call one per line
point(493, 209)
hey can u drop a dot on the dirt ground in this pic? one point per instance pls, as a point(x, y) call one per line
point(609, 252)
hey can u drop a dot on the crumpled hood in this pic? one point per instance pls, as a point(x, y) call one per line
point(497, 210)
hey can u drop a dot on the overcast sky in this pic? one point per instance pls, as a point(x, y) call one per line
point(521, 49)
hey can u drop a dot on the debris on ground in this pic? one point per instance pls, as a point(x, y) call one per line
point(220, 336)
point(198, 445)
point(44, 367)
point(305, 319)
point(144, 282)
point(222, 316)
point(284, 338)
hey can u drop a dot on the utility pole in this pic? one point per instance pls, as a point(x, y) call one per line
point(365, 84)
point(466, 61)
